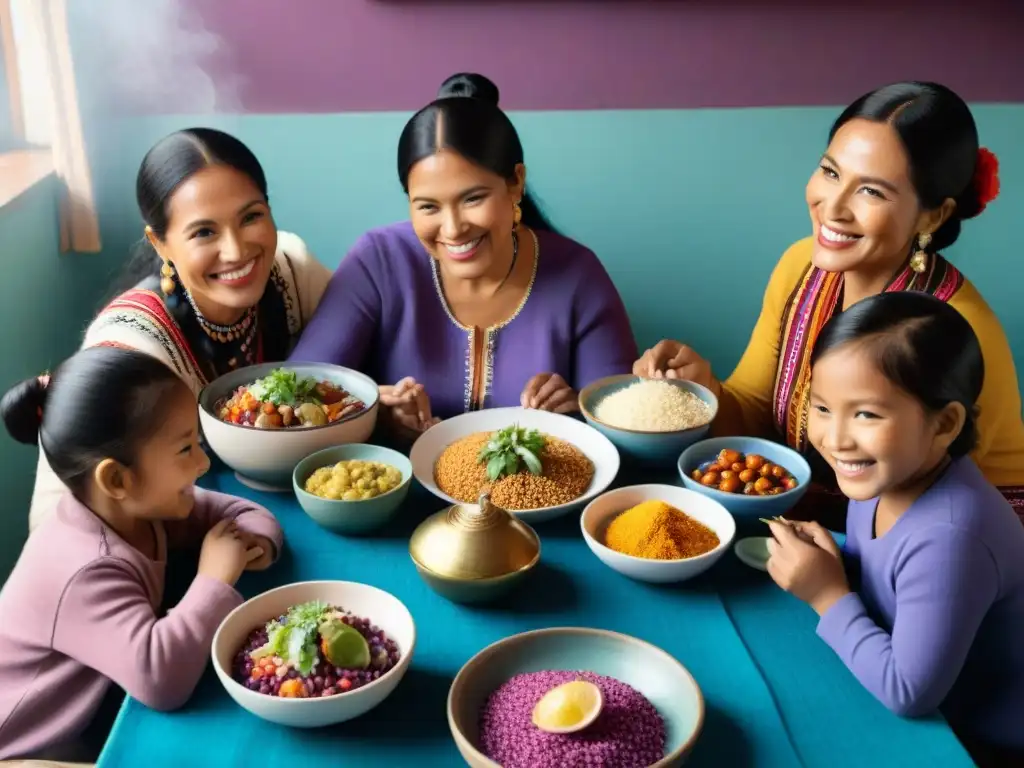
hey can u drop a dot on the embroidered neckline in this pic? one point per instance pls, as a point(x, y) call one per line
point(526, 296)
point(490, 334)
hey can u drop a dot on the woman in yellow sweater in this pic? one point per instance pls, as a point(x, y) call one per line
point(902, 170)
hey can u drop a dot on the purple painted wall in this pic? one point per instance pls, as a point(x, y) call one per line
point(369, 55)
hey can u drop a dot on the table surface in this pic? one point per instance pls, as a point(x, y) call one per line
point(775, 694)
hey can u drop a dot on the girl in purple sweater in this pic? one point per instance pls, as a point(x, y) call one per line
point(80, 613)
point(929, 610)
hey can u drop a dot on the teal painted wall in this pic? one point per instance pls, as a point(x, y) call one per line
point(688, 210)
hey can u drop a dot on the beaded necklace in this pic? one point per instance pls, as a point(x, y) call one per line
point(242, 332)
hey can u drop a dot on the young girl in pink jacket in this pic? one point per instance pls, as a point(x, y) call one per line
point(80, 613)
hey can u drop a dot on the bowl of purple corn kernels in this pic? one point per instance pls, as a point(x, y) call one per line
point(314, 653)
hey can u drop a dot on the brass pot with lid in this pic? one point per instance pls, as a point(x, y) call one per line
point(473, 552)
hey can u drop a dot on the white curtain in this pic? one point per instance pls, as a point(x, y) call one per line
point(50, 113)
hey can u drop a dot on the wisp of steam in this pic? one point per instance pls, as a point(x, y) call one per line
point(150, 56)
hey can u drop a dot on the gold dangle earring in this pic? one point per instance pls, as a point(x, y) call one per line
point(517, 215)
point(919, 261)
point(167, 278)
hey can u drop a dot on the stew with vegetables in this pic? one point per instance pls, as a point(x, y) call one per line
point(282, 399)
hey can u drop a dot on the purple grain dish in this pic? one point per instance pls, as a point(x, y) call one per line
point(324, 680)
point(629, 733)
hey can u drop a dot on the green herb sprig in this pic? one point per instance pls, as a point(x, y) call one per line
point(295, 640)
point(511, 447)
point(284, 387)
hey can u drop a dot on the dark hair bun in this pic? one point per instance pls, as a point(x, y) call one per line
point(469, 85)
point(21, 408)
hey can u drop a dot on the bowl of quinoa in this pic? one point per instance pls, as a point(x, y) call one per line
point(314, 653)
point(652, 715)
point(576, 462)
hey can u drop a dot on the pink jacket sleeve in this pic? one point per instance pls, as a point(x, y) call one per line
point(212, 507)
point(105, 621)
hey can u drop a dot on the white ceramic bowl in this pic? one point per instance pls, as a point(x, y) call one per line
point(265, 458)
point(598, 448)
point(600, 512)
point(380, 607)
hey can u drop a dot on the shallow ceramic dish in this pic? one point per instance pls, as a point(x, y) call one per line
point(753, 551)
point(600, 512)
point(352, 517)
point(645, 445)
point(380, 607)
point(598, 448)
point(264, 459)
point(664, 681)
point(747, 506)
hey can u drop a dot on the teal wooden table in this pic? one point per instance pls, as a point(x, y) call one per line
point(775, 694)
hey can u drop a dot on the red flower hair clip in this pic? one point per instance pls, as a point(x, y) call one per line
point(986, 177)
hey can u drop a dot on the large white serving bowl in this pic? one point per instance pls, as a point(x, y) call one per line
point(598, 448)
point(600, 512)
point(265, 458)
point(380, 607)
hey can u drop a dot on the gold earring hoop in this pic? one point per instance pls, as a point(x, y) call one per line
point(517, 215)
point(919, 261)
point(167, 278)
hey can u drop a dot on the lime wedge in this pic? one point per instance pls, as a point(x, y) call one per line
point(568, 708)
point(343, 646)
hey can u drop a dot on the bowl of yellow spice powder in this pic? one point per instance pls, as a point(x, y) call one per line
point(657, 533)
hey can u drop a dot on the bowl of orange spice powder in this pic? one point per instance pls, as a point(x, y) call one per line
point(657, 533)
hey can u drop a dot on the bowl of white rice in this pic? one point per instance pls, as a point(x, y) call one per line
point(649, 419)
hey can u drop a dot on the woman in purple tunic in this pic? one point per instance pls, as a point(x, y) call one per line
point(476, 302)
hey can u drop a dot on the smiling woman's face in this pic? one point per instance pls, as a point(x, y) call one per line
point(864, 208)
point(221, 240)
point(462, 213)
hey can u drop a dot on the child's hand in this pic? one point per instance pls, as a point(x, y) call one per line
point(266, 548)
point(225, 553)
point(806, 561)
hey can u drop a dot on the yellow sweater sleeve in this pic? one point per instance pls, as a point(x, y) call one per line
point(745, 406)
point(1000, 449)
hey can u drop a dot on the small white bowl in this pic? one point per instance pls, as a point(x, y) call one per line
point(600, 512)
point(598, 448)
point(381, 608)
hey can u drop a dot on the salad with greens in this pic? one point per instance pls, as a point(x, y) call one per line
point(312, 629)
point(314, 649)
point(284, 399)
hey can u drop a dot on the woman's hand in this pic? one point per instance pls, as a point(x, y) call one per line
point(408, 405)
point(549, 392)
point(672, 360)
point(806, 562)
